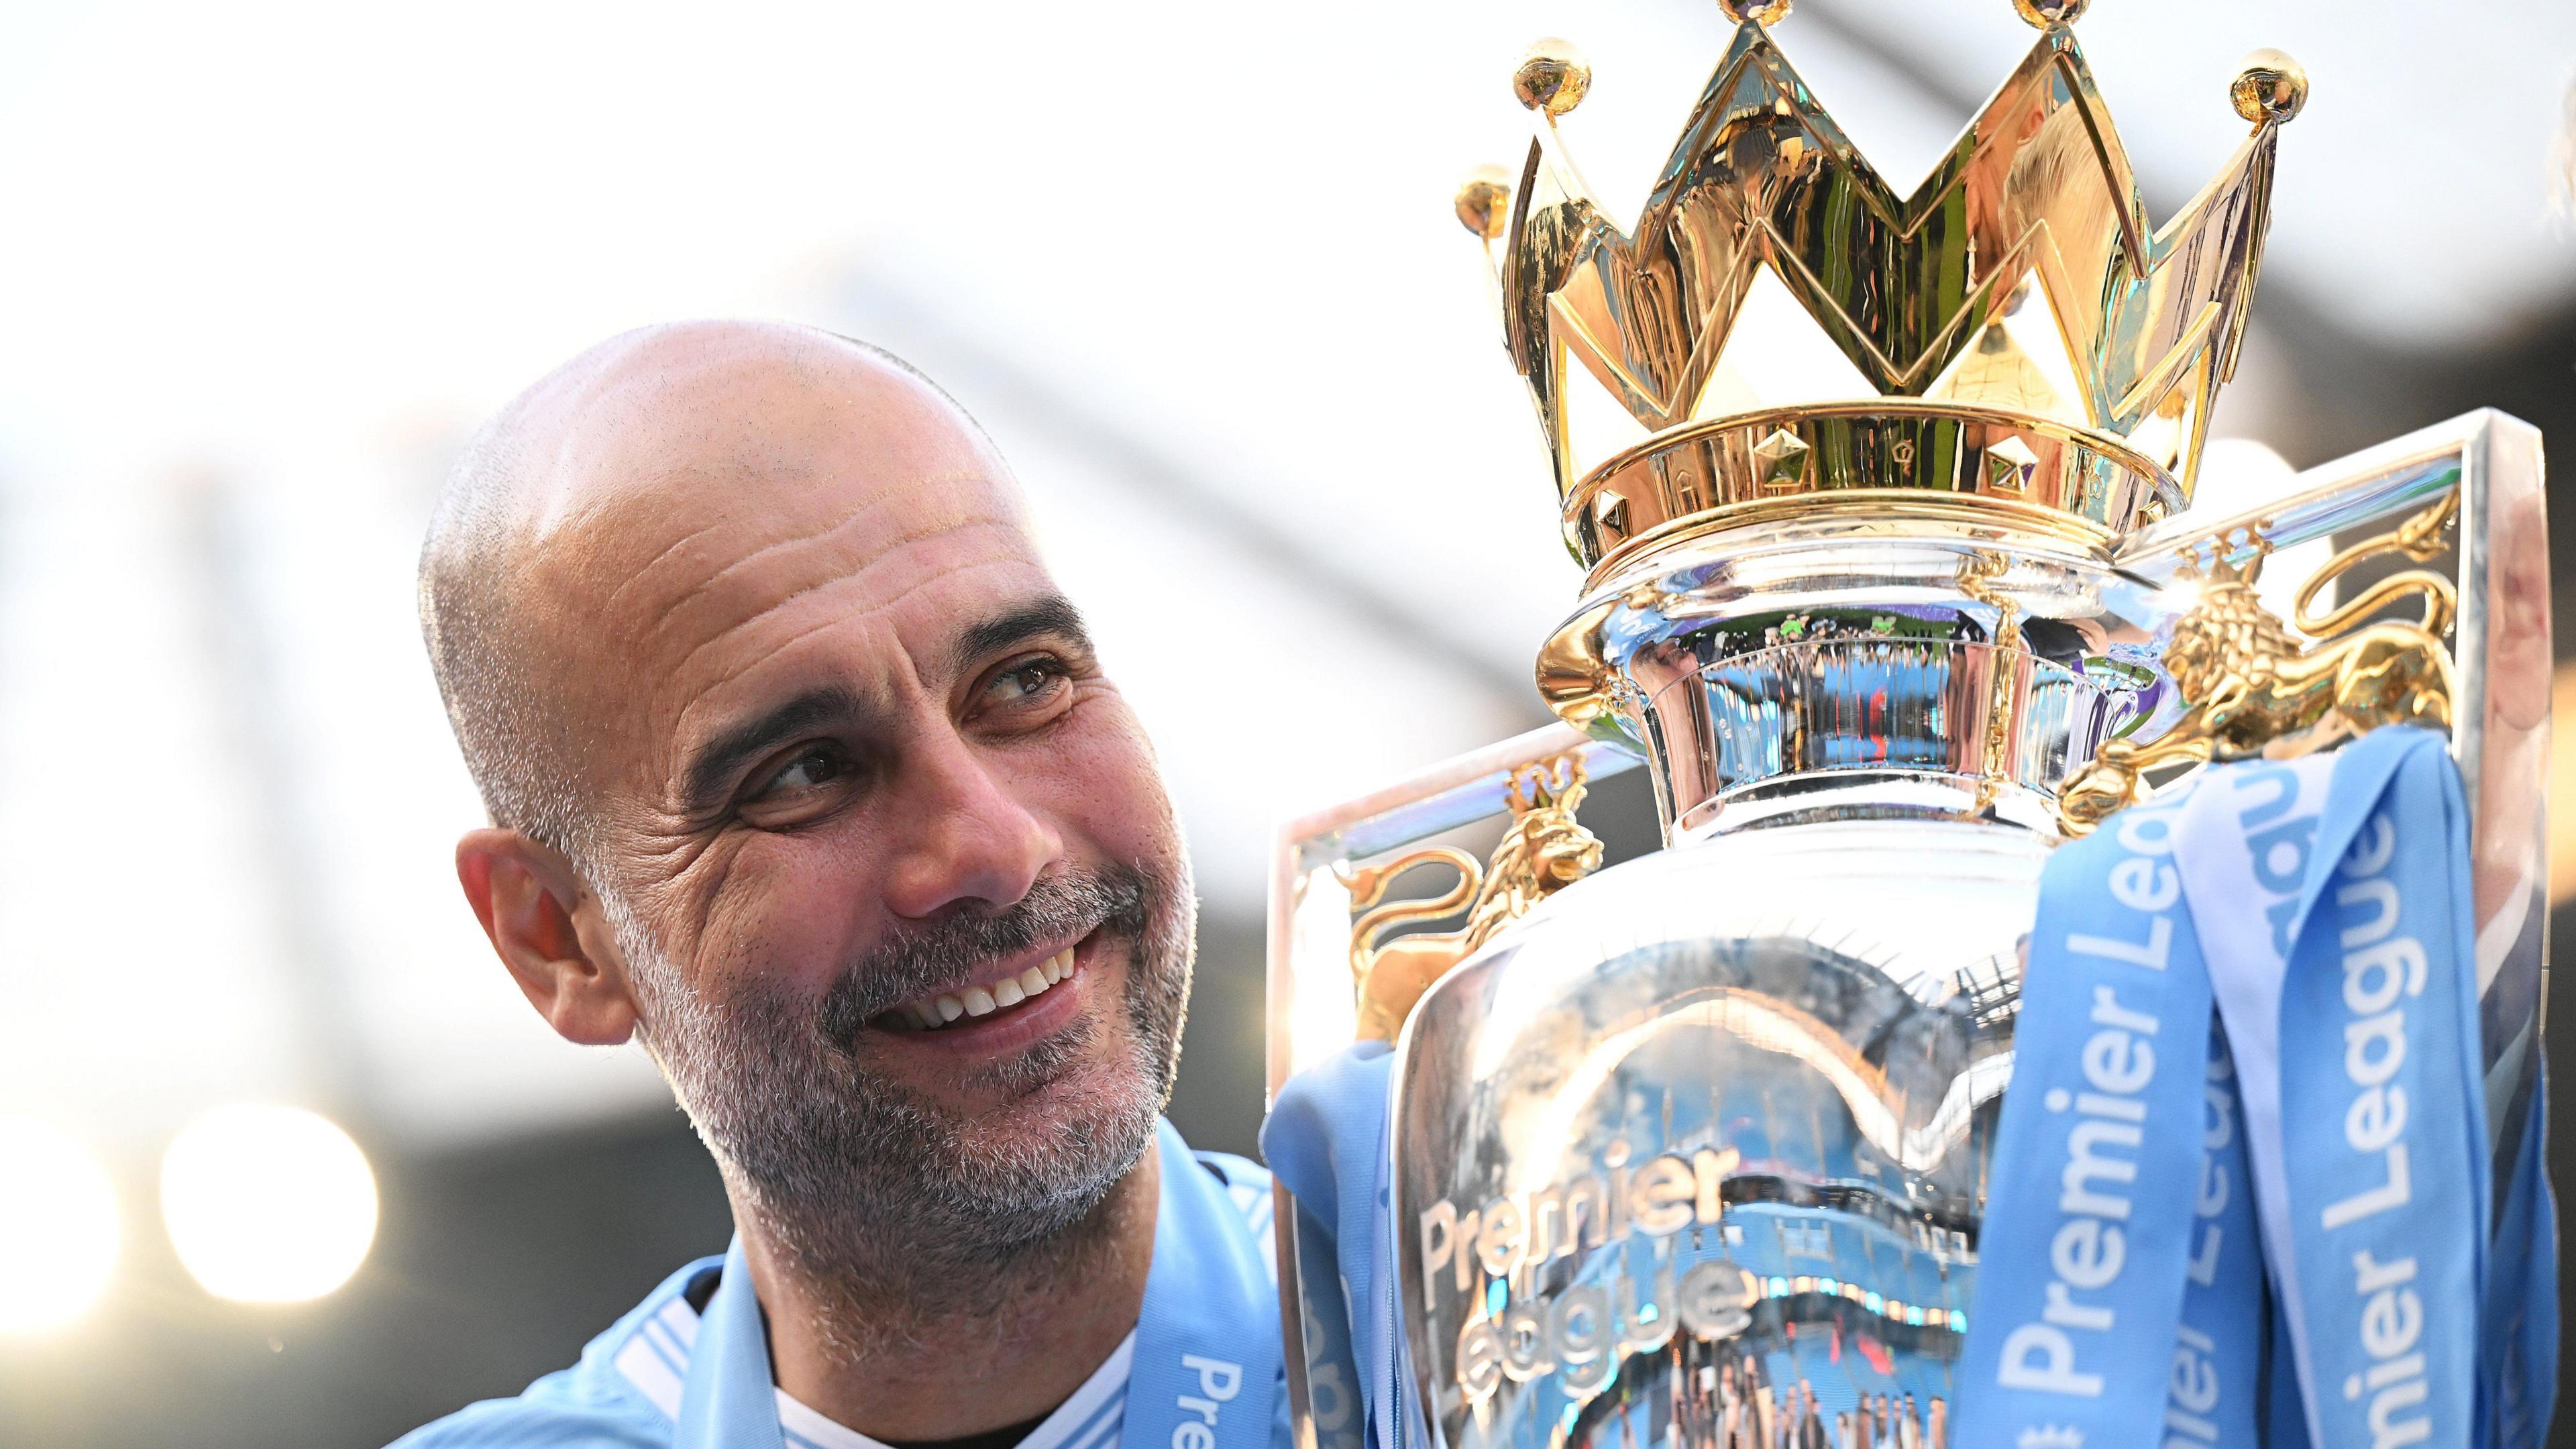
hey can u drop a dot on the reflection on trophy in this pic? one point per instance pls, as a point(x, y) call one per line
point(1892, 590)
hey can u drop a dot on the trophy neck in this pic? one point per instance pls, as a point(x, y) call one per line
point(1938, 663)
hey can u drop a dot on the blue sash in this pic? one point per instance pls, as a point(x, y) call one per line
point(1206, 1367)
point(2117, 1111)
point(1206, 1372)
point(2348, 983)
point(2321, 907)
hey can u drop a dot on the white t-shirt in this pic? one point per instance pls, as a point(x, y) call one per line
point(1088, 1420)
point(656, 1360)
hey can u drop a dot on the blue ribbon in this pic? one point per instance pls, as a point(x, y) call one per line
point(2322, 907)
point(2378, 1233)
point(2213, 1392)
point(1206, 1372)
point(2090, 1230)
point(1326, 1138)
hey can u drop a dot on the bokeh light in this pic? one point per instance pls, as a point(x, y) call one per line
point(57, 1223)
point(268, 1204)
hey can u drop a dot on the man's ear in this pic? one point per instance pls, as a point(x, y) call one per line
point(550, 932)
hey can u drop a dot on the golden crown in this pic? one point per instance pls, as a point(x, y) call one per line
point(1781, 324)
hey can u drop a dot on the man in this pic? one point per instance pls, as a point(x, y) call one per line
point(804, 774)
point(1811, 1417)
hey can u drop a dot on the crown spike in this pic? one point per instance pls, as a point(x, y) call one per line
point(2272, 88)
point(1484, 202)
point(1553, 77)
point(2045, 13)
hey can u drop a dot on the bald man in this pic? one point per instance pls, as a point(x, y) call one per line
point(803, 773)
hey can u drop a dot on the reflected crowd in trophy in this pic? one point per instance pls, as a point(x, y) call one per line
point(1733, 1402)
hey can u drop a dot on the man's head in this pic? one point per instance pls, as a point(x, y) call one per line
point(795, 756)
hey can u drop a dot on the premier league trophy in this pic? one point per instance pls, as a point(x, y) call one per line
point(1893, 593)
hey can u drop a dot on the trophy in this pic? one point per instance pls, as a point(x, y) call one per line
point(1891, 589)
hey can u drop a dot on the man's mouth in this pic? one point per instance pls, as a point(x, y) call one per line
point(944, 1009)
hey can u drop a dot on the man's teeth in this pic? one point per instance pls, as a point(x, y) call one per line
point(990, 997)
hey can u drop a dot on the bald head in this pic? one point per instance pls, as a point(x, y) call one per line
point(620, 456)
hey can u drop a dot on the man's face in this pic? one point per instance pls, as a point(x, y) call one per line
point(904, 909)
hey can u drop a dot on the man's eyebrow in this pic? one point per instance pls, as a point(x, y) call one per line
point(708, 776)
point(1051, 615)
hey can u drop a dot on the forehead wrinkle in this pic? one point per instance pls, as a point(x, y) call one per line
point(710, 585)
point(949, 508)
point(895, 546)
point(636, 577)
point(910, 669)
point(941, 486)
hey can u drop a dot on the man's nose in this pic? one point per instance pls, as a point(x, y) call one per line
point(969, 837)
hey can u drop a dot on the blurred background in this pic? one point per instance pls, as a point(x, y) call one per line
point(264, 266)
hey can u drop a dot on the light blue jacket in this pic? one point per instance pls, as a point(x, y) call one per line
point(667, 1376)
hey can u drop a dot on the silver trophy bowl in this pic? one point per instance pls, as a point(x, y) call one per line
point(1710, 1131)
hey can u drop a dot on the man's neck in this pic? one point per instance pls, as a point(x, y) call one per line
point(990, 1353)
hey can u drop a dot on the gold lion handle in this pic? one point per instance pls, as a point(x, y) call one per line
point(2253, 688)
point(1544, 850)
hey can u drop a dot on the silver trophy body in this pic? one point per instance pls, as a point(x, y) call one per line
point(1696, 1150)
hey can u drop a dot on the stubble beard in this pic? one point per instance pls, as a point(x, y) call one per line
point(895, 1213)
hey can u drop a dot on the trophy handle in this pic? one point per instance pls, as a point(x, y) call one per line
point(2488, 467)
point(1544, 850)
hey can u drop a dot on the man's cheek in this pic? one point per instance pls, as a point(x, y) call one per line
point(1104, 776)
point(791, 911)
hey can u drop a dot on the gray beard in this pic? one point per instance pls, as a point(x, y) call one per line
point(891, 1210)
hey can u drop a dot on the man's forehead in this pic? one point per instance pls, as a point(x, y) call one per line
point(697, 554)
point(709, 501)
point(730, 460)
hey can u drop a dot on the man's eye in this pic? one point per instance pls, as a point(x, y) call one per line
point(1022, 683)
point(809, 769)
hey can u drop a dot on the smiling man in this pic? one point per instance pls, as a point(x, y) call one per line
point(803, 773)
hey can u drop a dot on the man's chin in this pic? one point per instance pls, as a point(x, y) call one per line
point(1030, 1106)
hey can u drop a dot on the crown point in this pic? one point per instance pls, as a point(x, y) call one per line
point(2272, 87)
point(1760, 12)
point(2045, 13)
point(1553, 76)
point(1484, 201)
